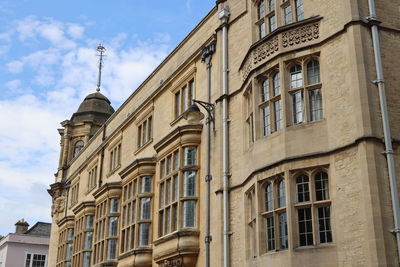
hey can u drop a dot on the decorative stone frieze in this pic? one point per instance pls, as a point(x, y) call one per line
point(177, 262)
point(300, 35)
point(286, 37)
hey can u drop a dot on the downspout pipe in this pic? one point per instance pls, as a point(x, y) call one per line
point(372, 18)
point(224, 17)
point(206, 57)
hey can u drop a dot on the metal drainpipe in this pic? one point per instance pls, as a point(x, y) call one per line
point(385, 121)
point(224, 17)
point(208, 238)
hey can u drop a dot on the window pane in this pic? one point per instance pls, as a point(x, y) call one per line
point(146, 184)
point(161, 223)
point(269, 198)
point(283, 234)
point(190, 156)
point(176, 160)
point(324, 221)
point(113, 226)
point(88, 240)
point(261, 30)
point(264, 91)
point(177, 104)
point(272, 23)
point(168, 192)
point(261, 9)
point(167, 220)
point(28, 260)
point(315, 105)
point(277, 85)
point(189, 183)
point(144, 232)
point(298, 107)
point(70, 234)
point(145, 208)
point(313, 74)
point(296, 78)
point(302, 185)
point(86, 259)
point(321, 186)
point(175, 188)
point(184, 99)
point(270, 233)
point(175, 217)
point(39, 260)
point(278, 115)
point(89, 221)
point(191, 91)
point(271, 5)
point(305, 227)
point(144, 132)
point(299, 10)
point(169, 165)
point(114, 205)
point(189, 208)
point(162, 168)
point(281, 194)
point(287, 14)
point(70, 248)
point(266, 120)
point(162, 195)
point(112, 249)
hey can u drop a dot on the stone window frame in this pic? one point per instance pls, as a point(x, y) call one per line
point(29, 262)
point(249, 114)
point(102, 237)
point(273, 214)
point(312, 205)
point(251, 223)
point(115, 157)
point(264, 17)
point(130, 235)
point(172, 201)
point(81, 234)
point(183, 95)
point(267, 101)
point(65, 248)
point(92, 177)
point(296, 9)
point(74, 189)
point(145, 131)
point(305, 90)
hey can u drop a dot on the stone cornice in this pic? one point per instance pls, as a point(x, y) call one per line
point(107, 187)
point(138, 164)
point(177, 133)
point(83, 205)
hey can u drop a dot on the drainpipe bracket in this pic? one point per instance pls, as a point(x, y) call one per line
point(378, 81)
point(395, 230)
point(228, 233)
point(387, 152)
point(208, 239)
point(373, 20)
point(208, 178)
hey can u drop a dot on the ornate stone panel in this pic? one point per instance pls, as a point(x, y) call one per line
point(295, 36)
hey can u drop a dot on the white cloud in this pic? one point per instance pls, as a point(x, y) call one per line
point(15, 66)
point(65, 71)
point(75, 31)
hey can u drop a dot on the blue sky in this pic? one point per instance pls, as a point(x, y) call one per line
point(48, 65)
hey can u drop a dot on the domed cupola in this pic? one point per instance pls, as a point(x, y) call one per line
point(91, 115)
point(95, 108)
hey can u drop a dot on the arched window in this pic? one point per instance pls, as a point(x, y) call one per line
point(296, 79)
point(303, 188)
point(281, 194)
point(321, 186)
point(269, 200)
point(264, 90)
point(313, 74)
point(277, 86)
point(78, 147)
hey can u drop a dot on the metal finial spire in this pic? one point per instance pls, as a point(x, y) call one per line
point(101, 50)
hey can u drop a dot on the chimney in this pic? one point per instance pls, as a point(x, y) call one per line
point(21, 227)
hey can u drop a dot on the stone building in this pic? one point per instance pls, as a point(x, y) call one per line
point(297, 175)
point(26, 247)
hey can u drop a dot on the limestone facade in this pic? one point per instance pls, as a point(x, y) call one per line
point(308, 182)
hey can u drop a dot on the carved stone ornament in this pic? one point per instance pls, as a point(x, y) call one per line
point(177, 262)
point(262, 52)
point(58, 205)
point(300, 35)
